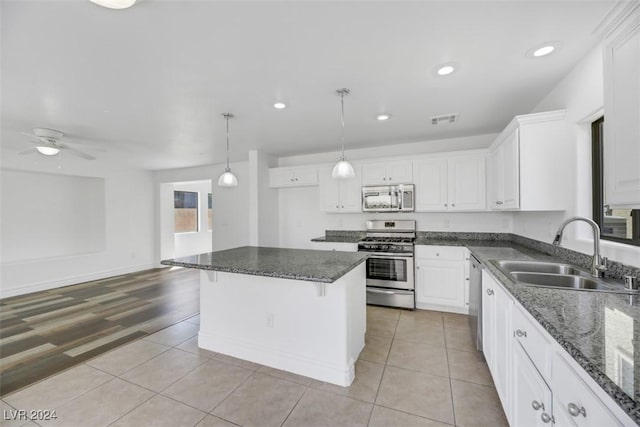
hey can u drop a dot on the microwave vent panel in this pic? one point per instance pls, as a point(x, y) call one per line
point(447, 118)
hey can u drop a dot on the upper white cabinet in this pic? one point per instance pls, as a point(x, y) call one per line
point(293, 177)
point(385, 173)
point(455, 183)
point(340, 195)
point(622, 115)
point(530, 164)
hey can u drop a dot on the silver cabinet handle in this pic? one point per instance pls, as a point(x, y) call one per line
point(546, 418)
point(520, 333)
point(445, 205)
point(537, 405)
point(342, 206)
point(417, 267)
point(453, 205)
point(576, 410)
point(337, 206)
point(390, 178)
point(490, 292)
point(499, 202)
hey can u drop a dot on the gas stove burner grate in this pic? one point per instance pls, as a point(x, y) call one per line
point(376, 239)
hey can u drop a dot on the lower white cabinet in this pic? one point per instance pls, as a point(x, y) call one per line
point(532, 399)
point(442, 278)
point(496, 332)
point(538, 382)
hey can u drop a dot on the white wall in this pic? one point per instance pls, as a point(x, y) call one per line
point(200, 241)
point(264, 201)
point(581, 94)
point(128, 221)
point(230, 205)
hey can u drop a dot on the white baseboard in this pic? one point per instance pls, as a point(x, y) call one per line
point(44, 286)
point(278, 359)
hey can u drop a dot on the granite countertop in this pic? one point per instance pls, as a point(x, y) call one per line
point(297, 264)
point(599, 330)
point(341, 236)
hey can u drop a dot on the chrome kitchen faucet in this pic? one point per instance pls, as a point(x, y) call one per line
point(599, 263)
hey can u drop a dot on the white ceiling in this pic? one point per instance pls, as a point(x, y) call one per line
point(149, 83)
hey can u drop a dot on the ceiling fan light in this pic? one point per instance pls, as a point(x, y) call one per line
point(227, 179)
point(343, 169)
point(114, 4)
point(47, 151)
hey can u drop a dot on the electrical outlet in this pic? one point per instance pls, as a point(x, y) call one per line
point(270, 320)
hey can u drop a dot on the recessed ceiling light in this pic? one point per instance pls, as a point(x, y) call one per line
point(114, 4)
point(447, 69)
point(384, 116)
point(544, 50)
point(279, 105)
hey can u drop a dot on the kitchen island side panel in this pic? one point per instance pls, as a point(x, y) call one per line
point(286, 324)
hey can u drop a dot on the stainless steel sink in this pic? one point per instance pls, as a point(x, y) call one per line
point(565, 281)
point(541, 267)
point(557, 275)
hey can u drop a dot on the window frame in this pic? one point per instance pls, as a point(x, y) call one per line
point(197, 193)
point(597, 180)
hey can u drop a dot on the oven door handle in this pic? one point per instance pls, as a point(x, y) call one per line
point(394, 292)
point(386, 255)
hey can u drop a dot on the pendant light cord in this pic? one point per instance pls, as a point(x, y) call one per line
point(342, 92)
point(227, 117)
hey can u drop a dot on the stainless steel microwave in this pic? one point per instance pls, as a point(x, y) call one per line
point(388, 198)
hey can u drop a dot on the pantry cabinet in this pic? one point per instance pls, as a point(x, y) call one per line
point(530, 164)
point(441, 278)
point(455, 183)
point(387, 173)
point(340, 195)
point(621, 112)
point(293, 177)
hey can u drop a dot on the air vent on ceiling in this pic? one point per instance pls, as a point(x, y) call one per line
point(447, 118)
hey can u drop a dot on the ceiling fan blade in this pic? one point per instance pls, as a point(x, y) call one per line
point(29, 151)
point(36, 138)
point(78, 153)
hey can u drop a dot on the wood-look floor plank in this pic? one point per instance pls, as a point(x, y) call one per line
point(49, 331)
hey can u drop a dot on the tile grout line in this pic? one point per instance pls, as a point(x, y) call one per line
point(453, 406)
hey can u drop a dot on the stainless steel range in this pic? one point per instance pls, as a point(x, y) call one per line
point(390, 273)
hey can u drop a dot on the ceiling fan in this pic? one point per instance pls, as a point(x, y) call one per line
point(49, 143)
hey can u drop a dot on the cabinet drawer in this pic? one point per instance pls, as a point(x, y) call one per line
point(533, 341)
point(449, 253)
point(570, 391)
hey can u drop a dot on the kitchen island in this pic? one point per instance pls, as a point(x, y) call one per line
point(302, 311)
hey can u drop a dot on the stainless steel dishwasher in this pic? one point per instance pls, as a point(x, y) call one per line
point(475, 301)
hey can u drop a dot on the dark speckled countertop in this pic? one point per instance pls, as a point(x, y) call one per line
point(298, 264)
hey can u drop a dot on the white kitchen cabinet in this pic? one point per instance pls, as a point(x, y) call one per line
point(387, 173)
point(293, 177)
point(536, 379)
point(496, 330)
point(504, 167)
point(529, 391)
point(573, 395)
point(441, 278)
point(529, 164)
point(340, 195)
point(621, 112)
point(456, 183)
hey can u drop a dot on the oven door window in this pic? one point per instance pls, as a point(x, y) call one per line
point(390, 269)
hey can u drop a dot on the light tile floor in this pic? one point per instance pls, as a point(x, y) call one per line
point(418, 369)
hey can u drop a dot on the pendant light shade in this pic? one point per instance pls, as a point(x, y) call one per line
point(343, 169)
point(227, 179)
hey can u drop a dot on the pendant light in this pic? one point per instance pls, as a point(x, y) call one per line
point(227, 179)
point(343, 168)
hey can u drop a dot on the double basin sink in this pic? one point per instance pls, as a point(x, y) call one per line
point(556, 275)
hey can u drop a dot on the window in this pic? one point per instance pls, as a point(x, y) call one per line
point(210, 211)
point(185, 204)
point(619, 225)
